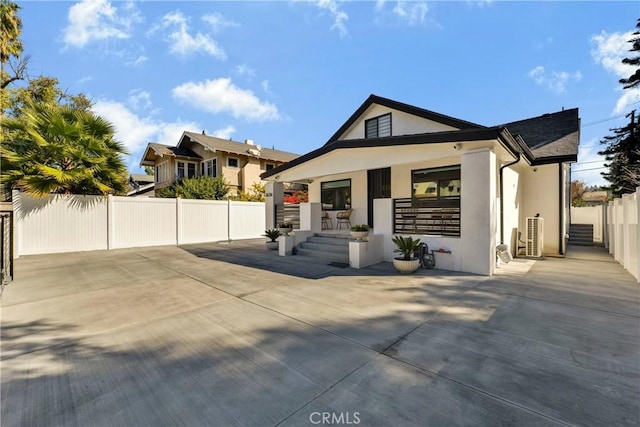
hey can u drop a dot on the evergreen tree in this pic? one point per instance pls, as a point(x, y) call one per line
point(622, 151)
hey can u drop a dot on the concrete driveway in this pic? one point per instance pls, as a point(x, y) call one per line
point(232, 334)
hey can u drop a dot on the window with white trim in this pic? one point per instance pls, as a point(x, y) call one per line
point(209, 168)
point(378, 127)
point(161, 172)
point(233, 162)
point(186, 170)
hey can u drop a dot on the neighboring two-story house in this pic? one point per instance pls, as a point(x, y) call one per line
point(201, 155)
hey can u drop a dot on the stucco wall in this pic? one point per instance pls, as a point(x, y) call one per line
point(358, 195)
point(401, 123)
point(511, 206)
point(539, 187)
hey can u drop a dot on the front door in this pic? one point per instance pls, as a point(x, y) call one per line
point(379, 187)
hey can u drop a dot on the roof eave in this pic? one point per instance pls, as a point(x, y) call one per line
point(424, 138)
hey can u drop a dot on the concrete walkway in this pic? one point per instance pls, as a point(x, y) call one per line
point(232, 334)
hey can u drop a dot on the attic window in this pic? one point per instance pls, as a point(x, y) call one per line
point(378, 127)
point(233, 162)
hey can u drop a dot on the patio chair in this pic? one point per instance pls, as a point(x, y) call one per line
point(327, 223)
point(343, 218)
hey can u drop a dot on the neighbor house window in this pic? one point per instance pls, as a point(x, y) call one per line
point(233, 162)
point(269, 166)
point(186, 170)
point(378, 127)
point(209, 168)
point(336, 195)
point(161, 172)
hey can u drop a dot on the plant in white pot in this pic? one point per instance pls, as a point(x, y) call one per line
point(272, 234)
point(285, 228)
point(359, 231)
point(407, 247)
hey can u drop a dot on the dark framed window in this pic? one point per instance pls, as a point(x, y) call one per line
point(436, 187)
point(378, 127)
point(335, 195)
point(269, 166)
point(233, 162)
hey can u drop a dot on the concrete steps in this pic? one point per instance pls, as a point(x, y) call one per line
point(581, 234)
point(329, 247)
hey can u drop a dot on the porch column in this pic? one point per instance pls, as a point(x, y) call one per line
point(274, 195)
point(478, 212)
point(311, 217)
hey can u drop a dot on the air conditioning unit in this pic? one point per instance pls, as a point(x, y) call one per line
point(534, 237)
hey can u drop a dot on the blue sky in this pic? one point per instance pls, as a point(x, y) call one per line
point(287, 74)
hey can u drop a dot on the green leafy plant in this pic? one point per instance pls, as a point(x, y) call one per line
point(406, 246)
point(202, 187)
point(360, 227)
point(272, 234)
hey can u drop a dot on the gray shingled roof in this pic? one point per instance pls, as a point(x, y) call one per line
point(167, 150)
point(239, 147)
point(550, 135)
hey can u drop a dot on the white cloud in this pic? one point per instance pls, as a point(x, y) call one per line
point(245, 70)
point(181, 42)
point(411, 12)
point(219, 22)
point(339, 16)
point(225, 132)
point(222, 96)
point(136, 131)
point(556, 81)
point(85, 79)
point(609, 50)
point(141, 59)
point(91, 20)
point(139, 99)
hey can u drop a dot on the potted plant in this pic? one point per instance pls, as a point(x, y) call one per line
point(407, 247)
point(359, 231)
point(285, 228)
point(272, 234)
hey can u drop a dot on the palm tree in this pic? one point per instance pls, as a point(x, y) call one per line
point(64, 150)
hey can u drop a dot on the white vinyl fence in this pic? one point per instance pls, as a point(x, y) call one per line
point(84, 223)
point(624, 232)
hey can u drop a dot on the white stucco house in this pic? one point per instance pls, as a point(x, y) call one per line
point(456, 185)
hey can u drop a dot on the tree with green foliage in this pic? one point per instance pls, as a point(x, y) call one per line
point(149, 171)
point(634, 79)
point(622, 151)
point(44, 90)
point(202, 187)
point(255, 194)
point(10, 43)
point(63, 150)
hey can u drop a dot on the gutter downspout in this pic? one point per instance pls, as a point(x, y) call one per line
point(502, 197)
point(561, 213)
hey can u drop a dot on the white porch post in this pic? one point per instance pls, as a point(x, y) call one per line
point(311, 217)
point(383, 224)
point(274, 195)
point(478, 212)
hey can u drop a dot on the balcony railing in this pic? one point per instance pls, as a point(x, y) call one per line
point(424, 217)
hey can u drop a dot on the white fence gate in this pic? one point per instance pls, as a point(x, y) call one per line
point(624, 232)
point(84, 223)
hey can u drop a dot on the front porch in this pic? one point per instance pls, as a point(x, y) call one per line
point(448, 201)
